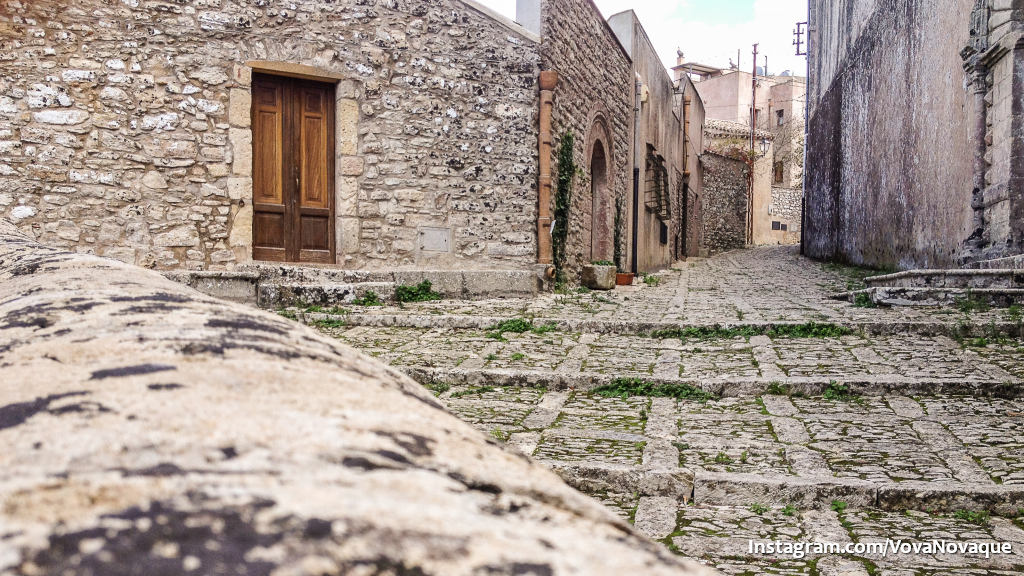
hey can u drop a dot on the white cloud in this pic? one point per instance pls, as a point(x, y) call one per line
point(770, 24)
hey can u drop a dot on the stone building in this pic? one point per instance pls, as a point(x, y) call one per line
point(745, 175)
point(779, 110)
point(368, 134)
point(915, 154)
point(663, 204)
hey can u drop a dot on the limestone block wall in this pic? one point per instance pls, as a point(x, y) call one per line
point(595, 79)
point(150, 429)
point(725, 202)
point(890, 148)
point(786, 210)
point(125, 132)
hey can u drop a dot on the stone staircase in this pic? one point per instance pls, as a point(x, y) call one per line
point(996, 287)
point(278, 285)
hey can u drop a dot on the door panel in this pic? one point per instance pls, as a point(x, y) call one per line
point(293, 170)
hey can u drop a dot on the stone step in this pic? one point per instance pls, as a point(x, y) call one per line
point(279, 295)
point(732, 387)
point(998, 297)
point(273, 286)
point(1010, 262)
point(469, 284)
point(950, 279)
point(383, 318)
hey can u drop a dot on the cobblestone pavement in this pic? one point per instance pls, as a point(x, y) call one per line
point(762, 285)
point(879, 423)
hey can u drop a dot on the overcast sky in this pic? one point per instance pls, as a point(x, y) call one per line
point(710, 31)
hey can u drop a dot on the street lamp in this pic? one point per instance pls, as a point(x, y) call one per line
point(765, 144)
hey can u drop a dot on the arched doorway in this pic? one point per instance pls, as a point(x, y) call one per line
point(600, 234)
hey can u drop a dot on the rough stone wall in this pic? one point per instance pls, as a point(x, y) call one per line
point(124, 126)
point(148, 429)
point(786, 209)
point(890, 147)
point(725, 203)
point(594, 75)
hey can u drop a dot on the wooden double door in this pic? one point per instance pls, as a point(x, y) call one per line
point(293, 169)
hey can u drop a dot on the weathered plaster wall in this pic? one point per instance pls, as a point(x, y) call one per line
point(124, 127)
point(660, 126)
point(595, 80)
point(725, 203)
point(694, 175)
point(149, 429)
point(890, 150)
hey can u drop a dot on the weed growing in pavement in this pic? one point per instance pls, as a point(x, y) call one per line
point(839, 393)
point(805, 330)
point(473, 391)
point(758, 509)
point(1015, 314)
point(971, 303)
point(776, 388)
point(438, 388)
point(328, 323)
point(652, 281)
point(723, 458)
point(422, 292)
point(630, 387)
point(518, 326)
point(863, 300)
point(838, 506)
point(501, 435)
point(789, 510)
point(370, 298)
point(980, 518)
point(287, 313)
point(518, 356)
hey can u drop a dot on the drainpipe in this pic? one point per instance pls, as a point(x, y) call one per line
point(548, 81)
point(637, 158)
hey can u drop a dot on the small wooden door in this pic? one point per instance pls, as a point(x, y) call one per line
point(293, 169)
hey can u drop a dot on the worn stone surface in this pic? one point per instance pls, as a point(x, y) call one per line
point(891, 138)
point(145, 128)
point(150, 428)
point(725, 202)
point(599, 277)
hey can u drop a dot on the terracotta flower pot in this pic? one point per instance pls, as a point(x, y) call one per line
point(624, 279)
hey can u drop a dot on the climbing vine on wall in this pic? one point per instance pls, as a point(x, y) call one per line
point(563, 199)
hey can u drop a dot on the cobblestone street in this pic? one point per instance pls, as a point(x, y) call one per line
point(730, 399)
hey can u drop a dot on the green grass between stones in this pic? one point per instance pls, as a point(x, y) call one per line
point(629, 387)
point(805, 330)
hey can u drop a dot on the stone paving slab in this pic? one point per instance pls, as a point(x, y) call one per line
point(756, 286)
point(892, 452)
point(908, 364)
point(720, 536)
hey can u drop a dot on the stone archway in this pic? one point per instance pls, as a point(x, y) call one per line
point(599, 229)
point(600, 235)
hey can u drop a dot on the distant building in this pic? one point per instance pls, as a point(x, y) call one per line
point(728, 97)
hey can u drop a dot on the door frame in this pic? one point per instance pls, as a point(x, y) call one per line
point(291, 138)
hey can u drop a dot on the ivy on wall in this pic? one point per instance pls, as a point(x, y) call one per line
point(563, 199)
